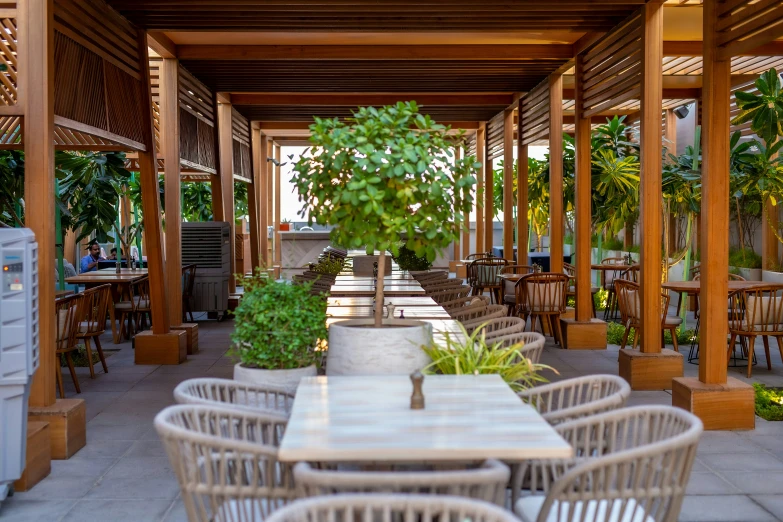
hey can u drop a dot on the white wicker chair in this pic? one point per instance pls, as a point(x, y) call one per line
point(495, 325)
point(451, 294)
point(473, 312)
point(533, 343)
point(579, 397)
point(462, 303)
point(441, 284)
point(388, 508)
point(487, 482)
point(631, 465)
point(226, 462)
point(427, 275)
point(234, 394)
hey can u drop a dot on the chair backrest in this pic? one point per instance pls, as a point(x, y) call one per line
point(486, 482)
point(140, 292)
point(631, 274)
point(229, 393)
point(630, 304)
point(758, 310)
point(441, 284)
point(469, 314)
point(484, 272)
point(188, 280)
point(735, 277)
point(648, 451)
point(542, 292)
point(533, 344)
point(390, 508)
point(608, 276)
point(479, 255)
point(429, 275)
point(225, 461)
point(450, 294)
point(66, 316)
point(569, 269)
point(491, 328)
point(462, 303)
point(517, 269)
point(93, 308)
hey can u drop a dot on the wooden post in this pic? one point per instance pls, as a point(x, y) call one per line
point(457, 157)
point(217, 198)
point(769, 243)
point(258, 146)
point(556, 173)
point(671, 146)
point(508, 184)
point(278, 237)
point(169, 141)
point(583, 332)
point(36, 97)
point(489, 198)
point(480, 135)
point(226, 162)
point(522, 203)
point(161, 345)
point(252, 213)
point(720, 402)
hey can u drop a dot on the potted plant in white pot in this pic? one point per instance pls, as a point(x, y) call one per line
point(376, 177)
point(278, 327)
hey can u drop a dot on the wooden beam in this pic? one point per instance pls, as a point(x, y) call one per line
point(489, 198)
point(696, 48)
point(36, 96)
point(161, 44)
point(650, 187)
point(226, 163)
point(509, 52)
point(582, 202)
point(556, 212)
point(357, 99)
point(271, 128)
point(278, 190)
point(508, 184)
point(480, 151)
point(169, 143)
point(150, 203)
point(714, 205)
point(673, 93)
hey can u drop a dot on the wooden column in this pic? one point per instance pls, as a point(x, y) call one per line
point(278, 237)
point(161, 345)
point(480, 136)
point(489, 198)
point(522, 203)
point(252, 212)
point(583, 332)
point(169, 142)
point(226, 162)
point(36, 98)
point(769, 243)
point(465, 250)
point(720, 402)
point(258, 147)
point(508, 184)
point(556, 173)
point(217, 198)
point(456, 256)
point(671, 145)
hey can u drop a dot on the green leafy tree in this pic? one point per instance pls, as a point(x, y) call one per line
point(196, 201)
point(240, 199)
point(12, 187)
point(382, 174)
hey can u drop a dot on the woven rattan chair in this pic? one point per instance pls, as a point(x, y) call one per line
point(479, 255)
point(629, 302)
point(483, 275)
point(226, 461)
point(756, 312)
point(470, 314)
point(578, 397)
point(461, 303)
point(496, 326)
point(450, 294)
point(188, 282)
point(66, 316)
point(507, 295)
point(542, 297)
point(533, 344)
point(441, 284)
point(428, 275)
point(234, 394)
point(92, 322)
point(391, 508)
point(487, 481)
point(631, 465)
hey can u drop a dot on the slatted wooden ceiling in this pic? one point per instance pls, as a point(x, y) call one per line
point(306, 113)
point(372, 15)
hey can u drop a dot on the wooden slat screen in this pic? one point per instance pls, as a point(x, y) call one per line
point(241, 146)
point(495, 136)
point(11, 132)
point(613, 68)
point(197, 124)
point(534, 111)
point(744, 25)
point(470, 145)
point(745, 127)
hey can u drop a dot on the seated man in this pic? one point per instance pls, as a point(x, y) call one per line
point(89, 263)
point(113, 254)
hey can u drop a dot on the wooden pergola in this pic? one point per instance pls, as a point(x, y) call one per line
point(230, 81)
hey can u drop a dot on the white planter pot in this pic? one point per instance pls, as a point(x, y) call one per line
point(356, 348)
point(285, 379)
point(772, 277)
point(749, 274)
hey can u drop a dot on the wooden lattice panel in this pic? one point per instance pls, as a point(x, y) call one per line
point(10, 132)
point(197, 123)
point(69, 139)
point(470, 145)
point(495, 132)
point(241, 145)
point(745, 127)
point(613, 68)
point(534, 110)
point(8, 50)
point(744, 25)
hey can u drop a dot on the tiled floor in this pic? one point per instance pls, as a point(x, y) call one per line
point(123, 474)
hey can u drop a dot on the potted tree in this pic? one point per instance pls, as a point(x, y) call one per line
point(285, 225)
point(376, 177)
point(277, 332)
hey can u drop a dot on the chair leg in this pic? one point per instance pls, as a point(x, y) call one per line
point(673, 330)
point(780, 346)
point(99, 348)
point(556, 319)
point(69, 360)
point(765, 338)
point(732, 340)
point(592, 303)
point(89, 356)
point(636, 335)
point(59, 375)
point(751, 347)
point(625, 337)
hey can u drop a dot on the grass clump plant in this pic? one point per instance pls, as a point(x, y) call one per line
point(407, 260)
point(769, 402)
point(744, 258)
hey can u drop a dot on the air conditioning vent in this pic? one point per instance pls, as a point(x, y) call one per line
point(206, 245)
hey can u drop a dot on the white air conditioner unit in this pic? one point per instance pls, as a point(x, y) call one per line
point(206, 245)
point(19, 356)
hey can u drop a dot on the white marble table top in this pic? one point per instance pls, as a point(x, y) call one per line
point(369, 291)
point(396, 301)
point(466, 418)
point(412, 312)
point(371, 282)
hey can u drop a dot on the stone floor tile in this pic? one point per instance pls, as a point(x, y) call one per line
point(723, 508)
point(147, 448)
point(177, 512)
point(724, 443)
point(772, 503)
point(71, 479)
point(756, 483)
point(16, 509)
point(755, 462)
point(103, 449)
point(137, 478)
point(708, 483)
point(118, 510)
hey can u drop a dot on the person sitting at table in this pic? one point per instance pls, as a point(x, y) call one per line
point(68, 270)
point(89, 263)
point(113, 254)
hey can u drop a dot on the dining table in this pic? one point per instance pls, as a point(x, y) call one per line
point(365, 290)
point(403, 312)
point(368, 301)
point(120, 283)
point(466, 418)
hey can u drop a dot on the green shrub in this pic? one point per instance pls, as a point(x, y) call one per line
point(407, 260)
point(278, 325)
point(613, 244)
point(327, 265)
point(615, 332)
point(600, 298)
point(744, 258)
point(769, 402)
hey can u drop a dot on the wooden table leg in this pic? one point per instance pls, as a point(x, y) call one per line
point(116, 295)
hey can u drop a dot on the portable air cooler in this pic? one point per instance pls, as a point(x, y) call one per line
point(206, 245)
